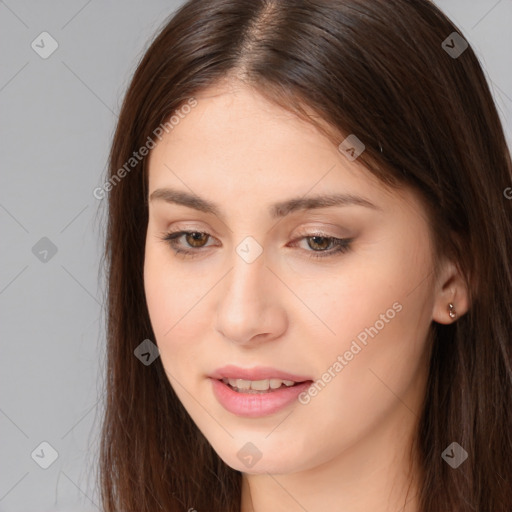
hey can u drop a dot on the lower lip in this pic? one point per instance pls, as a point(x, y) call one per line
point(254, 405)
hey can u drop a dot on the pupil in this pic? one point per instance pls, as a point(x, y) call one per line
point(196, 237)
point(315, 240)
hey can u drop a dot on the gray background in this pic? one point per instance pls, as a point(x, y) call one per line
point(57, 119)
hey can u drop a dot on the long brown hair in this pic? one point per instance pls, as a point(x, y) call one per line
point(381, 71)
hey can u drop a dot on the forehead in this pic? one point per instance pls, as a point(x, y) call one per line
point(233, 127)
point(235, 115)
point(234, 145)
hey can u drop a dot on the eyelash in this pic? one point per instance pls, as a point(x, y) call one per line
point(342, 245)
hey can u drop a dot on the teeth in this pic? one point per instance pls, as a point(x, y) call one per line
point(257, 385)
point(276, 383)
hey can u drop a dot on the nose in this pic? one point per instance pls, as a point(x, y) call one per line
point(249, 311)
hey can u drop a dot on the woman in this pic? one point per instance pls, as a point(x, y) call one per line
point(309, 247)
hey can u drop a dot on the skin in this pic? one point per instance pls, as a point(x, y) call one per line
point(346, 450)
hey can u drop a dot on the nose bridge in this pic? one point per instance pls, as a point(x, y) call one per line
point(246, 306)
point(248, 279)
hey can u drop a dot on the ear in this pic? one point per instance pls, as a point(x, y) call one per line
point(450, 288)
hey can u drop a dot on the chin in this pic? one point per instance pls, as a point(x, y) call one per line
point(262, 468)
point(276, 462)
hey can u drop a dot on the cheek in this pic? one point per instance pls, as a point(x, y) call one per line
point(365, 290)
point(361, 384)
point(174, 304)
point(376, 321)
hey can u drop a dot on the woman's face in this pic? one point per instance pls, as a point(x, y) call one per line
point(266, 288)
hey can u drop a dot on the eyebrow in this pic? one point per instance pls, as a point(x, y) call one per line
point(276, 210)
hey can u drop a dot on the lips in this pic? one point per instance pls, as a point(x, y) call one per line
point(256, 373)
point(253, 404)
point(249, 405)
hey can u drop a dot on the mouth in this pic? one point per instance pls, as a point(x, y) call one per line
point(260, 378)
point(257, 392)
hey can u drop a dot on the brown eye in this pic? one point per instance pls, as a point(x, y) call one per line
point(323, 246)
point(196, 239)
point(320, 246)
point(192, 240)
point(319, 243)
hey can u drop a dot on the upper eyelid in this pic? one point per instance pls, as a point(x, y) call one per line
point(305, 233)
point(313, 229)
point(329, 226)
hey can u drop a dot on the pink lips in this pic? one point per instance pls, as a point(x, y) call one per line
point(257, 373)
point(253, 405)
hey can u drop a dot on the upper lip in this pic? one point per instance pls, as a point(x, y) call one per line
point(255, 373)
